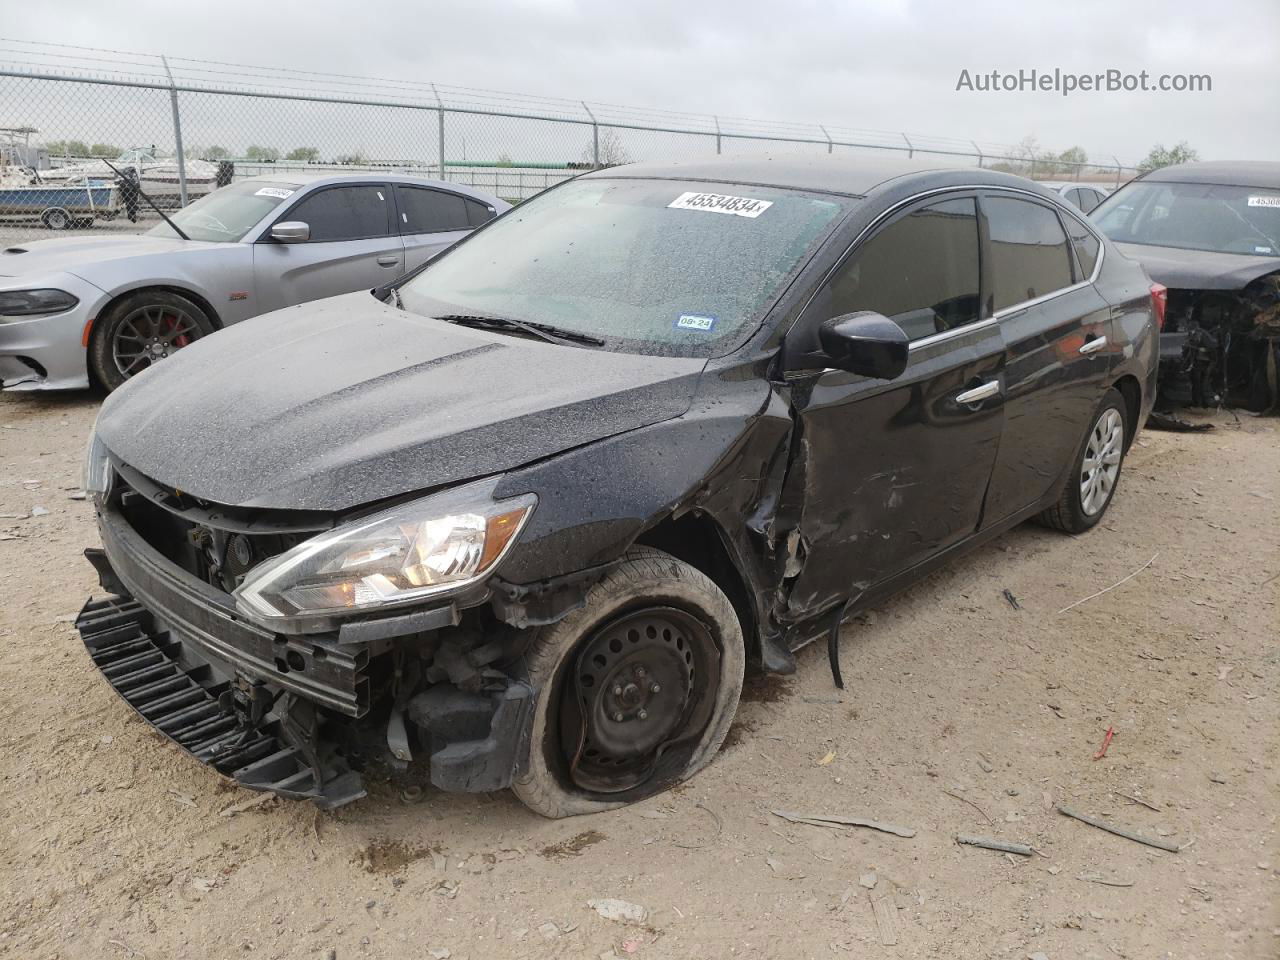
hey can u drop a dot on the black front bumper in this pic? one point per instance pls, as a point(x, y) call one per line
point(184, 697)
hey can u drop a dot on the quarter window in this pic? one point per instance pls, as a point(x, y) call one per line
point(1086, 244)
point(921, 271)
point(1029, 253)
point(344, 213)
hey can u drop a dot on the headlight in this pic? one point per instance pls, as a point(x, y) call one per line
point(431, 546)
point(33, 303)
point(97, 474)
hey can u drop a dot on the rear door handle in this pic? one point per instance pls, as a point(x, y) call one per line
point(1094, 345)
point(988, 389)
point(388, 261)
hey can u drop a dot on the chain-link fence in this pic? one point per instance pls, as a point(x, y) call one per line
point(89, 138)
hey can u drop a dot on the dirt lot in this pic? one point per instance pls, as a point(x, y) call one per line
point(958, 708)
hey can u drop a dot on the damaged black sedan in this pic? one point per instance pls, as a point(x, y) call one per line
point(524, 518)
point(1210, 233)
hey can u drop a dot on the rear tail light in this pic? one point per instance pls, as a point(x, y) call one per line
point(1159, 302)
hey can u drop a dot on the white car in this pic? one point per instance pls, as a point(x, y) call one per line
point(1086, 196)
point(107, 307)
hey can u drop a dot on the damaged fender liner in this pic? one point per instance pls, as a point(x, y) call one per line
point(181, 698)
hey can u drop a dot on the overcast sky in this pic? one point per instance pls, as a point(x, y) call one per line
point(887, 64)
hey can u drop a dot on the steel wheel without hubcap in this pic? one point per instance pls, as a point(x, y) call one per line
point(1101, 465)
point(642, 684)
point(149, 334)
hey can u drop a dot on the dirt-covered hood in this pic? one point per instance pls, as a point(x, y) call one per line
point(343, 402)
point(75, 254)
point(1182, 269)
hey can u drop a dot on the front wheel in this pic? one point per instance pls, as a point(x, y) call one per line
point(635, 691)
point(1095, 474)
point(140, 331)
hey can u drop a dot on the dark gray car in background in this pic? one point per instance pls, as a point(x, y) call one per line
point(524, 519)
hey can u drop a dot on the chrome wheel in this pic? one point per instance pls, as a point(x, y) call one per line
point(1101, 464)
point(150, 334)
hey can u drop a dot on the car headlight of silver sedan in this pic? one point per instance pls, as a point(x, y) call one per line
point(439, 544)
point(20, 304)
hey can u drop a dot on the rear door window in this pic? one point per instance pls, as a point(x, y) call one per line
point(1030, 256)
point(920, 271)
point(357, 212)
point(423, 210)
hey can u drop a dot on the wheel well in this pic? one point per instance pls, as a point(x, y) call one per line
point(1131, 390)
point(191, 295)
point(696, 539)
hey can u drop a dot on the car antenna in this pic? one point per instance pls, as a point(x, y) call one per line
point(138, 186)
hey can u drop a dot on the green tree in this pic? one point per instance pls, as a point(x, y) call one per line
point(356, 158)
point(213, 152)
point(304, 154)
point(104, 150)
point(1069, 161)
point(67, 148)
point(262, 154)
point(1161, 156)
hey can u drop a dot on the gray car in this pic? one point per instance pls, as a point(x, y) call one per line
point(104, 308)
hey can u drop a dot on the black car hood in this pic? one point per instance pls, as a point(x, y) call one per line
point(343, 402)
point(1181, 269)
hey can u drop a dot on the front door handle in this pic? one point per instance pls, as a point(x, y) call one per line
point(979, 393)
point(388, 261)
point(1094, 345)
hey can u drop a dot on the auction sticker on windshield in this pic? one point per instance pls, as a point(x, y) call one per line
point(280, 193)
point(721, 203)
point(691, 321)
point(1264, 201)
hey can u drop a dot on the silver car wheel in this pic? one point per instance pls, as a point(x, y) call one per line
point(1101, 464)
point(148, 335)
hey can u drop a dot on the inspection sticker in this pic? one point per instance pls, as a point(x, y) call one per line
point(280, 193)
point(720, 203)
point(691, 321)
point(1257, 201)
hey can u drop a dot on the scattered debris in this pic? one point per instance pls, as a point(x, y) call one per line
point(1037, 956)
point(886, 912)
point(834, 821)
point(440, 953)
point(1167, 421)
point(183, 798)
point(39, 512)
point(619, 911)
point(1013, 601)
point(1106, 882)
point(719, 830)
point(1021, 849)
point(984, 763)
point(1072, 606)
point(868, 880)
point(1106, 742)
point(571, 847)
point(826, 761)
point(244, 805)
point(412, 794)
point(1217, 778)
point(78, 495)
point(549, 930)
point(1118, 831)
point(1139, 800)
point(956, 796)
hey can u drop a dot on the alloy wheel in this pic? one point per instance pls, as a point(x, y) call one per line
point(148, 335)
point(1101, 464)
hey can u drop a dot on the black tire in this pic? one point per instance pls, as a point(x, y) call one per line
point(647, 584)
point(155, 323)
point(1075, 512)
point(55, 218)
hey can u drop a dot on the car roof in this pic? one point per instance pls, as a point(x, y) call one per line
point(302, 179)
point(1239, 173)
point(849, 175)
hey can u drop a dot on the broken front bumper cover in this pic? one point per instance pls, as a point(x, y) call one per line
point(183, 697)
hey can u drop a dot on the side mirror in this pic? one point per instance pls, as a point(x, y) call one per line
point(866, 343)
point(291, 231)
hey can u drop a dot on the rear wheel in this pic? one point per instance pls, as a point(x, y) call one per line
point(636, 690)
point(1096, 472)
point(141, 330)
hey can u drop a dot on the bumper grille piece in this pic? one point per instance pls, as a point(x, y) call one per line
point(183, 699)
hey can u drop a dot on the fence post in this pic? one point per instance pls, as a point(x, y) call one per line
point(911, 151)
point(1117, 160)
point(440, 130)
point(717, 120)
point(827, 135)
point(177, 134)
point(979, 151)
point(595, 136)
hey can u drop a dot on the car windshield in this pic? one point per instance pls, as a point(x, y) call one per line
point(226, 215)
point(1194, 216)
point(649, 266)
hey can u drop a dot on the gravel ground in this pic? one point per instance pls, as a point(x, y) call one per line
point(959, 710)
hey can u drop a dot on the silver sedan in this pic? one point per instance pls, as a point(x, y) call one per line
point(108, 307)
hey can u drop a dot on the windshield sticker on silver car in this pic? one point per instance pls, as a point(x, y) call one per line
point(720, 203)
point(280, 193)
point(1264, 201)
point(691, 321)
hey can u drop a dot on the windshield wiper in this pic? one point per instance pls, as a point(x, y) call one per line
point(543, 331)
